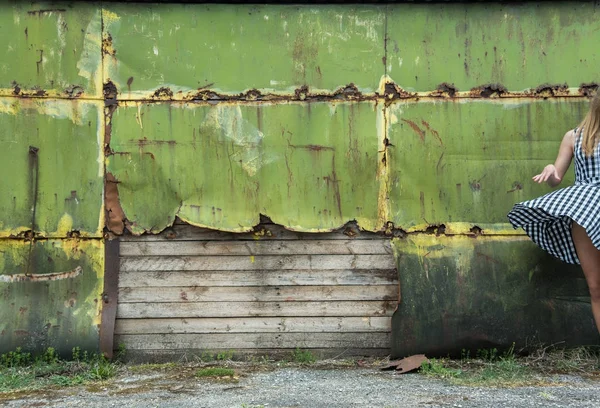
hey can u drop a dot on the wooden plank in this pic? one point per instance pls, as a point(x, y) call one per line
point(255, 309)
point(259, 278)
point(266, 232)
point(196, 355)
point(232, 263)
point(301, 247)
point(254, 325)
point(161, 294)
point(254, 340)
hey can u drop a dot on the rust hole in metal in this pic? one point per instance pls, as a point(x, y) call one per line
point(349, 92)
point(163, 92)
point(39, 92)
point(489, 90)
point(74, 91)
point(206, 95)
point(392, 92)
point(28, 235)
point(16, 88)
point(391, 230)
point(475, 230)
point(547, 90)
point(301, 93)
point(436, 229)
point(447, 89)
point(588, 89)
point(109, 91)
point(253, 95)
point(74, 234)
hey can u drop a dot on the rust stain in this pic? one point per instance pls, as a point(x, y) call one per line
point(107, 45)
point(41, 277)
point(516, 187)
point(312, 147)
point(433, 132)
point(115, 216)
point(146, 142)
point(41, 12)
point(38, 63)
point(416, 128)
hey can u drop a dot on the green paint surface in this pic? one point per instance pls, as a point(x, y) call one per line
point(63, 313)
point(520, 46)
point(69, 167)
point(309, 167)
point(234, 48)
point(53, 47)
point(477, 293)
point(470, 162)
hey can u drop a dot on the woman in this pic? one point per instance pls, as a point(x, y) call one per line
point(566, 222)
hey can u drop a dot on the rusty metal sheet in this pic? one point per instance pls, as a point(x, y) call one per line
point(196, 51)
point(463, 293)
point(309, 167)
point(50, 49)
point(50, 294)
point(51, 155)
point(466, 164)
point(545, 47)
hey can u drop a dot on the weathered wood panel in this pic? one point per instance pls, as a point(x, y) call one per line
point(191, 290)
point(256, 293)
point(255, 340)
point(259, 278)
point(255, 309)
point(254, 325)
point(232, 263)
point(301, 247)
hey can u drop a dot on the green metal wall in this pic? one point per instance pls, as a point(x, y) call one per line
point(409, 118)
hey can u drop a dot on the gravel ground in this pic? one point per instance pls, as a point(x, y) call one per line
point(310, 387)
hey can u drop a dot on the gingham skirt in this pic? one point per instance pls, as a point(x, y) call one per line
point(548, 219)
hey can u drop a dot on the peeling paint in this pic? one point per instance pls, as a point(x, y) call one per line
point(70, 178)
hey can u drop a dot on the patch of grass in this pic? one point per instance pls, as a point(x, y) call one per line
point(490, 368)
point(19, 370)
point(225, 355)
point(303, 356)
point(215, 372)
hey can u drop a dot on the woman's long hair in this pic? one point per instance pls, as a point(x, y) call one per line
point(591, 126)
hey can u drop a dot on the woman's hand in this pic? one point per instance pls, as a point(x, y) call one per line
point(549, 174)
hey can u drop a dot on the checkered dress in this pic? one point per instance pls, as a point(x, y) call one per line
point(547, 219)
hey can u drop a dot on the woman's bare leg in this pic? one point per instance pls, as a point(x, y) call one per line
point(589, 256)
